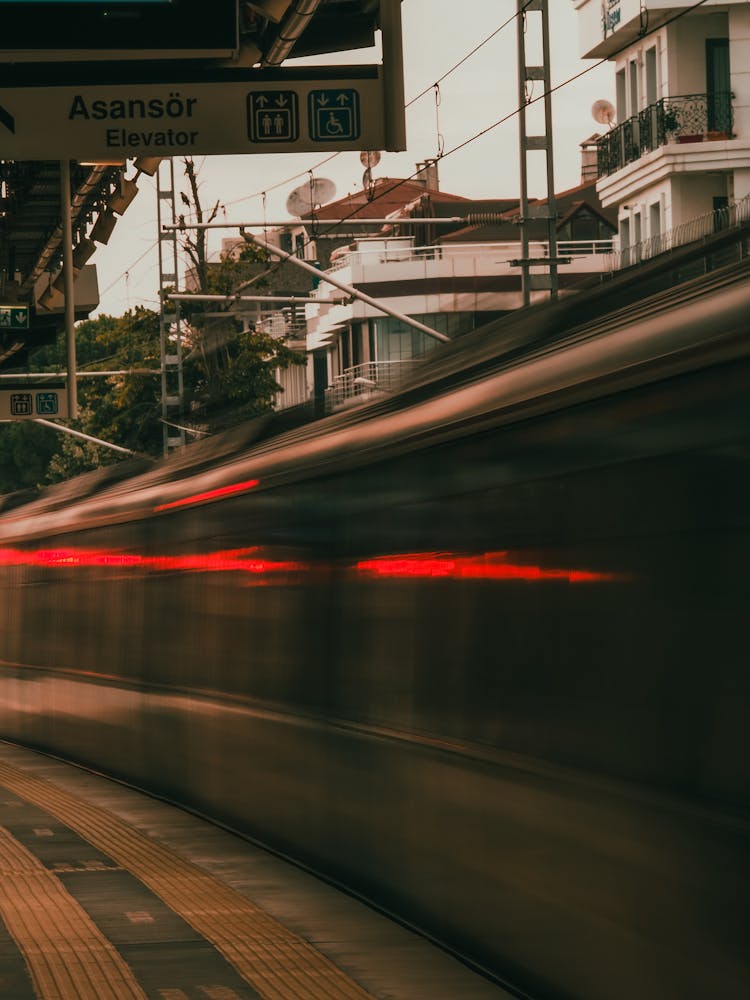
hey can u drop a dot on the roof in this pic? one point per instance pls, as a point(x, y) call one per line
point(504, 227)
point(389, 194)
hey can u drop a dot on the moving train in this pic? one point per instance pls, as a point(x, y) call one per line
point(475, 652)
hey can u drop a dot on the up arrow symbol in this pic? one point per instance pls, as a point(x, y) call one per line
point(7, 119)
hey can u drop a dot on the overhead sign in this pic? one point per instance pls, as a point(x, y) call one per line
point(41, 32)
point(252, 114)
point(28, 402)
point(14, 318)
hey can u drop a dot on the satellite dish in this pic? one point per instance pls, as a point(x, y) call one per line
point(370, 158)
point(603, 112)
point(309, 196)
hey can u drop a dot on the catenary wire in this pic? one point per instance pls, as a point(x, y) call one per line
point(466, 142)
point(333, 156)
point(516, 111)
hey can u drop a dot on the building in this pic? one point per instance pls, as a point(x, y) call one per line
point(452, 275)
point(677, 163)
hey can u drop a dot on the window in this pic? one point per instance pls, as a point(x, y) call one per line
point(625, 241)
point(718, 87)
point(637, 236)
point(622, 111)
point(651, 83)
point(634, 102)
point(654, 227)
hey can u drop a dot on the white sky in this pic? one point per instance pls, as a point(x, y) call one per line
point(437, 35)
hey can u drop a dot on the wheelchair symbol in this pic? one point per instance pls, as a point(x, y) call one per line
point(334, 115)
point(333, 126)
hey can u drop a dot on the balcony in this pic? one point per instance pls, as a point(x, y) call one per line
point(363, 381)
point(685, 119)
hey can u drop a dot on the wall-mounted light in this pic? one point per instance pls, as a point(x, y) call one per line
point(127, 190)
point(102, 163)
point(103, 227)
point(147, 164)
point(84, 249)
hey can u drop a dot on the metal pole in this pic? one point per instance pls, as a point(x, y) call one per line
point(353, 219)
point(68, 286)
point(523, 147)
point(349, 289)
point(57, 376)
point(393, 74)
point(199, 297)
point(83, 437)
point(551, 203)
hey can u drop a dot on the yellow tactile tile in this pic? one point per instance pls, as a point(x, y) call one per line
point(278, 964)
point(67, 956)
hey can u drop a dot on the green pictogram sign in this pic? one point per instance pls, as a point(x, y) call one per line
point(14, 318)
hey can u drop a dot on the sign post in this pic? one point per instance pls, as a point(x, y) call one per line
point(220, 112)
point(30, 402)
point(13, 317)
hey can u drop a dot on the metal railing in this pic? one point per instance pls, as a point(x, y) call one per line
point(687, 118)
point(364, 379)
point(492, 253)
point(687, 232)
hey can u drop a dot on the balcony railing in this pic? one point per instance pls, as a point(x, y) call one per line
point(689, 118)
point(368, 378)
point(729, 217)
point(484, 254)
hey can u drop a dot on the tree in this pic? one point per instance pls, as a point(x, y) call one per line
point(124, 409)
point(229, 370)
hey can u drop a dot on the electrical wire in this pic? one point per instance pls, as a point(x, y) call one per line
point(468, 55)
point(466, 142)
point(408, 104)
point(435, 87)
point(517, 111)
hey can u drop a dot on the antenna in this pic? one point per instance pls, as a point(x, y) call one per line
point(370, 158)
point(603, 112)
point(308, 196)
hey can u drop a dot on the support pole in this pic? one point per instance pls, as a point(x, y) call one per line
point(349, 289)
point(69, 286)
point(83, 437)
point(393, 74)
point(528, 143)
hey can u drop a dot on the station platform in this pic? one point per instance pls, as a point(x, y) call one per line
point(107, 894)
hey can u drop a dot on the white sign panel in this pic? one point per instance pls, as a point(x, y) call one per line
point(28, 402)
point(157, 119)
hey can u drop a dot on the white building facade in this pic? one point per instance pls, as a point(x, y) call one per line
point(450, 287)
point(681, 147)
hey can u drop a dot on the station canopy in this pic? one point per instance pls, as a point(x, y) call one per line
point(44, 40)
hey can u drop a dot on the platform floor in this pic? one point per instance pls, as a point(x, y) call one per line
point(107, 894)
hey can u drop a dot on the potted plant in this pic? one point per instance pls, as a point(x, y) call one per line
point(670, 120)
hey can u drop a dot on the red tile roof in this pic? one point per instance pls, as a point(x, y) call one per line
point(389, 195)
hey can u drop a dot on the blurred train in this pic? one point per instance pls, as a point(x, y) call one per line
point(477, 652)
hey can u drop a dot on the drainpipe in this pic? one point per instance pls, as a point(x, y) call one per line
point(297, 19)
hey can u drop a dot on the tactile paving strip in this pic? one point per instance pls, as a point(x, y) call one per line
point(278, 964)
point(66, 954)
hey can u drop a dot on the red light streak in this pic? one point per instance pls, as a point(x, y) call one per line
point(418, 565)
point(231, 560)
point(221, 491)
point(488, 566)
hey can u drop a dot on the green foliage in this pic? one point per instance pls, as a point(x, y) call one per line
point(228, 372)
point(226, 366)
point(123, 410)
point(26, 450)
